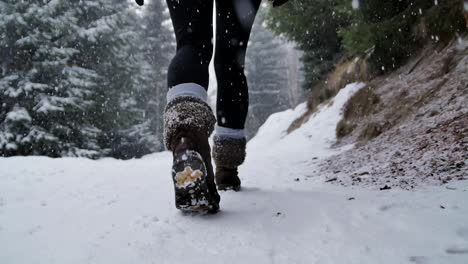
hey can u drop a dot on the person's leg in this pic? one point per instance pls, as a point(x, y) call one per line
point(193, 26)
point(234, 20)
point(188, 119)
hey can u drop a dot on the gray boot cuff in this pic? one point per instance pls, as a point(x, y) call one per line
point(229, 152)
point(187, 113)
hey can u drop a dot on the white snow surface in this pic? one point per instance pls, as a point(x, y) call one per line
point(74, 210)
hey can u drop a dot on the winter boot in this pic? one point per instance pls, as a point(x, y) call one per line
point(188, 122)
point(228, 154)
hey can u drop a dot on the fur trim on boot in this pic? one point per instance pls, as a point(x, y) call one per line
point(189, 114)
point(229, 152)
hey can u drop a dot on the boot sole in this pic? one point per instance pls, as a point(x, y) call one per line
point(192, 194)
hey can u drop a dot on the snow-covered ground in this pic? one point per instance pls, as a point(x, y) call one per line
point(109, 211)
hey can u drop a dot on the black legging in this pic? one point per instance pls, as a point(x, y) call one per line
point(193, 26)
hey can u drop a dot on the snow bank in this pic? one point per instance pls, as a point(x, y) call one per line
point(313, 138)
point(276, 126)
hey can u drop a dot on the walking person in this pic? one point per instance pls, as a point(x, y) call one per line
point(188, 119)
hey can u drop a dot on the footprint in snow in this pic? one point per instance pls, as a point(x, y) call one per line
point(457, 250)
point(418, 259)
point(145, 221)
point(34, 230)
point(386, 207)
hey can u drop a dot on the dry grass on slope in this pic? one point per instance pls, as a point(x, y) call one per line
point(414, 128)
point(359, 106)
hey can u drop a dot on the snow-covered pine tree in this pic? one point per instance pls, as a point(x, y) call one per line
point(44, 97)
point(149, 55)
point(157, 49)
point(71, 80)
point(109, 32)
point(266, 71)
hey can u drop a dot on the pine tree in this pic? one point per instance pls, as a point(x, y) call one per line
point(99, 43)
point(266, 74)
point(314, 26)
point(390, 32)
point(68, 80)
point(44, 97)
point(82, 78)
point(152, 48)
point(157, 48)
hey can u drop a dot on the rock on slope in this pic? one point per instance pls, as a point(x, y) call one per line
point(420, 124)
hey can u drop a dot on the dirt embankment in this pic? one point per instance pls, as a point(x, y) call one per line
point(410, 127)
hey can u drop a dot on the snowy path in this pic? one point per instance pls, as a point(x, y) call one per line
point(109, 211)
